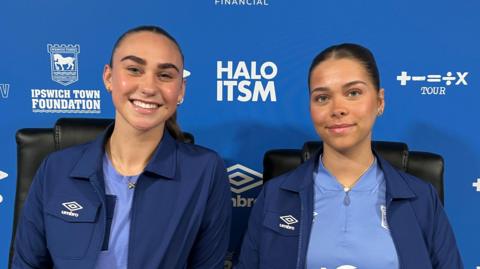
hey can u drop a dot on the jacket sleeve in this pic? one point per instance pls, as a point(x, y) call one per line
point(250, 251)
point(211, 244)
point(445, 254)
point(30, 248)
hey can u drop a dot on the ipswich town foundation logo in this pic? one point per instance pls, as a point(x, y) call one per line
point(243, 179)
point(64, 63)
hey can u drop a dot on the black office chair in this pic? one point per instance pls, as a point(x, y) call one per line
point(424, 165)
point(34, 144)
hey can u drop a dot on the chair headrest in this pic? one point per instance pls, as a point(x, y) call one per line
point(75, 131)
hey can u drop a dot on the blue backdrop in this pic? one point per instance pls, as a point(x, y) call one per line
point(247, 90)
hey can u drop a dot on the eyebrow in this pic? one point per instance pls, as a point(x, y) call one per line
point(135, 59)
point(351, 83)
point(346, 85)
point(144, 62)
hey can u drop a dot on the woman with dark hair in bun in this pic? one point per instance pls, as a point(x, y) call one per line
point(137, 196)
point(346, 207)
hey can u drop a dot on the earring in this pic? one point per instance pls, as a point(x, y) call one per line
point(380, 112)
point(180, 102)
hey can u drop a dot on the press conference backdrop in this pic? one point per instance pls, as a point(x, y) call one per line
point(247, 63)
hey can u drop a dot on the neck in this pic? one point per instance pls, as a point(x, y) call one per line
point(130, 150)
point(348, 166)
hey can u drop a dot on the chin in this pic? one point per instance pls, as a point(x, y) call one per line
point(341, 145)
point(144, 125)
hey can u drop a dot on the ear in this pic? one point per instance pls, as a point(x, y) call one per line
point(182, 91)
point(107, 77)
point(381, 99)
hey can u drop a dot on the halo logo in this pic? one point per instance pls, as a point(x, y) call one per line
point(246, 82)
point(459, 78)
point(64, 63)
point(243, 179)
point(4, 90)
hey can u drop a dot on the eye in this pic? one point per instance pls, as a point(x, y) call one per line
point(321, 98)
point(165, 76)
point(354, 93)
point(134, 70)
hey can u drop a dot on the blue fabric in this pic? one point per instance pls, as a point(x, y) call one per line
point(340, 229)
point(116, 255)
point(418, 224)
point(180, 213)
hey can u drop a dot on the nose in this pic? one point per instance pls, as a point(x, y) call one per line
point(339, 109)
point(148, 86)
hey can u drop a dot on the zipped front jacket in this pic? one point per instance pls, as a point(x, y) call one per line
point(180, 216)
point(418, 225)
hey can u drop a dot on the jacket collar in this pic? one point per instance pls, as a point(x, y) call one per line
point(302, 177)
point(396, 186)
point(162, 164)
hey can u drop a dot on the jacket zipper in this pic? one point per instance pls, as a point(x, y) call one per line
point(299, 256)
point(98, 190)
point(132, 223)
point(392, 233)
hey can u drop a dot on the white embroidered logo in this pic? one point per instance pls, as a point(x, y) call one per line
point(383, 210)
point(71, 206)
point(289, 220)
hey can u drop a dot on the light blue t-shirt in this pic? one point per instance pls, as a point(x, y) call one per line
point(350, 229)
point(118, 185)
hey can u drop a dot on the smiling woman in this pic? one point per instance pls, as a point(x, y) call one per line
point(137, 196)
point(346, 207)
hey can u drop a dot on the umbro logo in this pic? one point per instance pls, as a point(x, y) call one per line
point(288, 221)
point(71, 206)
point(243, 178)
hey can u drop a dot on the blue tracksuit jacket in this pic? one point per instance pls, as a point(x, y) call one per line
point(181, 210)
point(418, 224)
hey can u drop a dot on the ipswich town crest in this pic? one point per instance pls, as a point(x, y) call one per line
point(64, 63)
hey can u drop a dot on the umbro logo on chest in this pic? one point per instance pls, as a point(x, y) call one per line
point(288, 220)
point(72, 207)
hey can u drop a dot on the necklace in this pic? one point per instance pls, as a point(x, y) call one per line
point(130, 180)
point(130, 183)
point(348, 188)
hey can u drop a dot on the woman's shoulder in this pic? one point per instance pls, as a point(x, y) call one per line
point(198, 157)
point(424, 193)
point(69, 154)
point(296, 178)
point(196, 151)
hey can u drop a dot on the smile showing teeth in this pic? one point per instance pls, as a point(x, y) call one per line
point(144, 105)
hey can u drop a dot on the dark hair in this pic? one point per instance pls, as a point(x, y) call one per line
point(171, 124)
point(349, 51)
point(145, 28)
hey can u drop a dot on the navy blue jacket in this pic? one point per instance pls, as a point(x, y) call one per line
point(418, 225)
point(181, 210)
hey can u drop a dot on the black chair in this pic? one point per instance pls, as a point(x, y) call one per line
point(34, 144)
point(424, 165)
